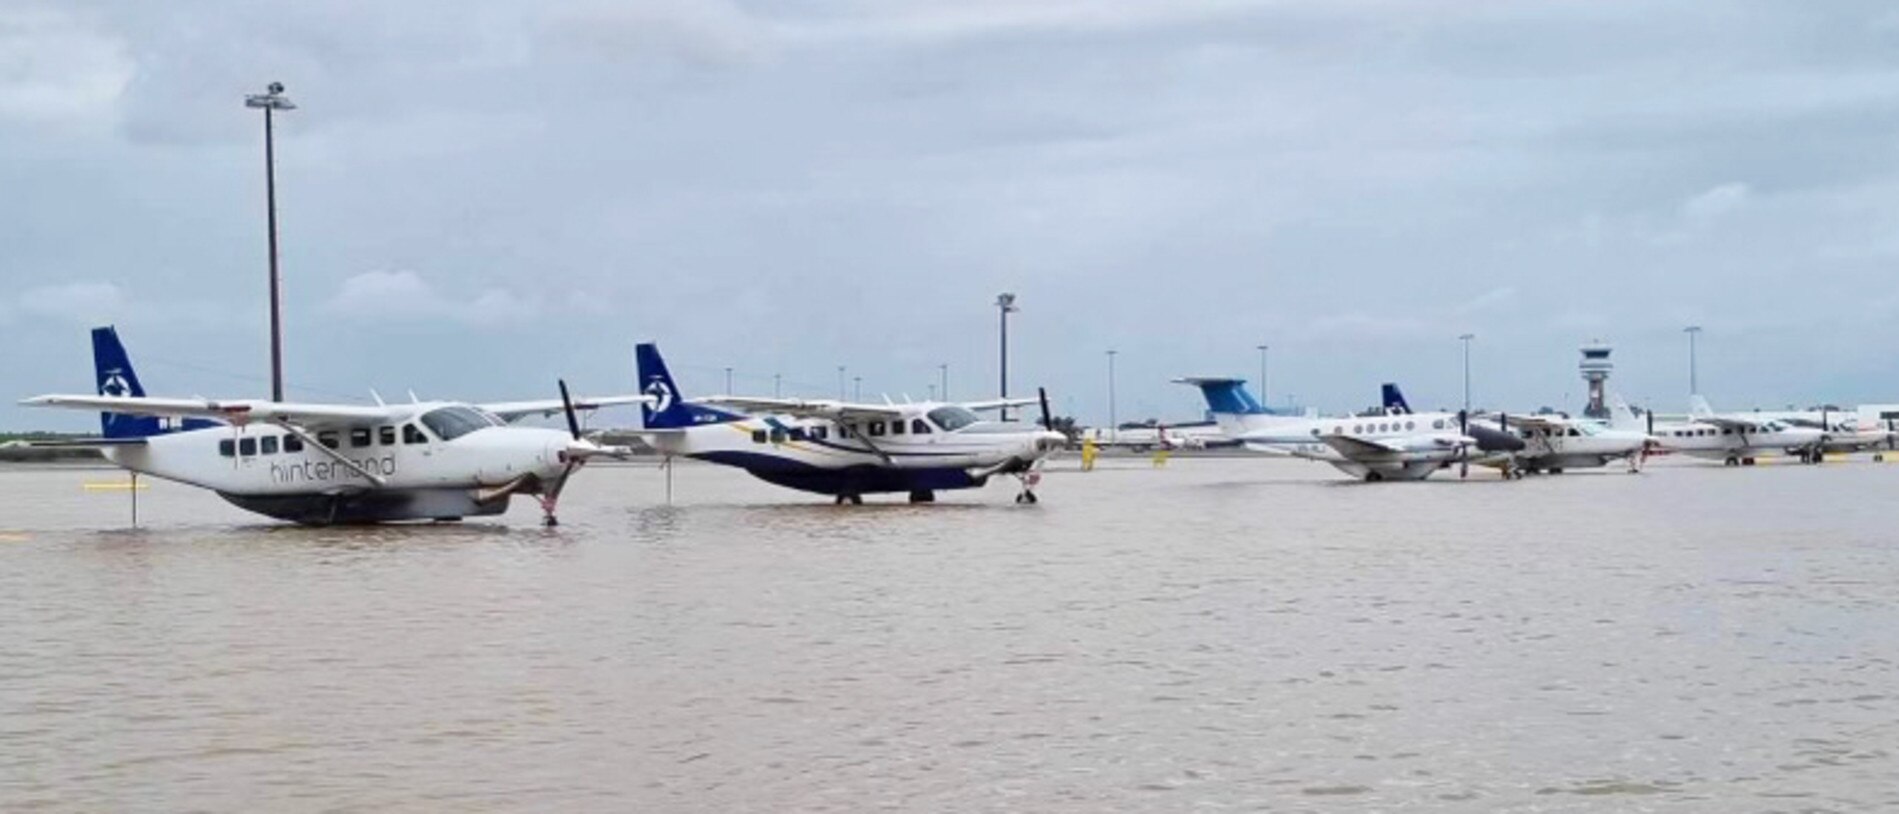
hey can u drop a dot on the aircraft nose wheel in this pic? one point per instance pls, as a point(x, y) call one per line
point(1029, 481)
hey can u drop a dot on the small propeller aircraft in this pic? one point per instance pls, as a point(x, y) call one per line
point(1397, 444)
point(843, 449)
point(1736, 439)
point(322, 464)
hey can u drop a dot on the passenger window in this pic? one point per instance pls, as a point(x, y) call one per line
point(896, 427)
point(411, 434)
point(1437, 424)
point(820, 433)
point(1411, 425)
point(327, 438)
point(247, 446)
point(876, 428)
point(1315, 432)
point(919, 427)
point(293, 444)
point(777, 436)
point(386, 436)
point(227, 447)
point(759, 436)
point(268, 444)
point(359, 437)
point(1573, 433)
point(796, 434)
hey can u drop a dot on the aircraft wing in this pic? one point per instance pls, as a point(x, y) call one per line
point(1731, 423)
point(1540, 422)
point(998, 404)
point(806, 408)
point(241, 411)
point(511, 410)
point(1356, 448)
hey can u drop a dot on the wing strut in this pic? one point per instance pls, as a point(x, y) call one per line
point(873, 447)
point(311, 442)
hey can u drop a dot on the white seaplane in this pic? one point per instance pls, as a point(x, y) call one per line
point(321, 464)
point(847, 450)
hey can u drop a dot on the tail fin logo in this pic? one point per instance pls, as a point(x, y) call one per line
point(662, 395)
point(115, 384)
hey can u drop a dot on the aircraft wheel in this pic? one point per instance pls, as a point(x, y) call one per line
point(1556, 470)
point(1747, 461)
point(1374, 477)
point(922, 496)
point(1731, 462)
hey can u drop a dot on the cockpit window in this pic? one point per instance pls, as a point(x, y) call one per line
point(952, 418)
point(450, 423)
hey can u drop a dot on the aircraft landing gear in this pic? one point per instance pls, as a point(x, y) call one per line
point(1374, 477)
point(1029, 481)
point(922, 496)
point(1731, 461)
point(1747, 461)
point(852, 500)
point(548, 520)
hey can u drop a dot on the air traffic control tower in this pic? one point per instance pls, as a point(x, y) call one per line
point(1595, 367)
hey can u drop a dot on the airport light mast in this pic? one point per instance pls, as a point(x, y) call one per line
point(944, 368)
point(1262, 348)
point(1005, 303)
point(270, 102)
point(1113, 425)
point(1466, 338)
point(1694, 384)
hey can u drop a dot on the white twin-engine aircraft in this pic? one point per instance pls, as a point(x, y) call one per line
point(320, 464)
point(1395, 445)
point(843, 449)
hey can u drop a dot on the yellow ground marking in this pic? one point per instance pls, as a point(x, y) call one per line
point(115, 486)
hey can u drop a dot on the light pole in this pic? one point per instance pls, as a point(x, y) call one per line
point(270, 102)
point(1694, 384)
point(840, 382)
point(932, 391)
point(777, 385)
point(728, 381)
point(1466, 339)
point(858, 383)
point(1113, 424)
point(944, 368)
point(1262, 374)
point(1005, 304)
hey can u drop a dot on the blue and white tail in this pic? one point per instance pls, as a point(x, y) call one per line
point(1228, 401)
point(1394, 400)
point(669, 410)
point(114, 376)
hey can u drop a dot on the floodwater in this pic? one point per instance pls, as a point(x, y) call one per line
point(1220, 635)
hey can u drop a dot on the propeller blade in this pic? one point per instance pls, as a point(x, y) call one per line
point(567, 406)
point(1048, 421)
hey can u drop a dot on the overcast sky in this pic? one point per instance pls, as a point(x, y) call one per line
point(479, 197)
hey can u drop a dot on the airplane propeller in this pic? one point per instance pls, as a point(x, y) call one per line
point(567, 406)
point(1463, 457)
point(1048, 421)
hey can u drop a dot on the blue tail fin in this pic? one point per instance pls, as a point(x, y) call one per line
point(1394, 400)
point(669, 410)
point(114, 376)
point(1227, 396)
